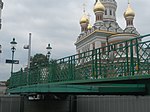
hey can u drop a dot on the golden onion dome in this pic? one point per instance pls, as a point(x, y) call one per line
point(89, 26)
point(129, 12)
point(84, 19)
point(99, 7)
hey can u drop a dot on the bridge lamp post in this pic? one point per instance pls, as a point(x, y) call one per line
point(49, 48)
point(0, 48)
point(1, 7)
point(13, 48)
point(28, 47)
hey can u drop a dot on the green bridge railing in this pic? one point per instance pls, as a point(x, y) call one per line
point(127, 58)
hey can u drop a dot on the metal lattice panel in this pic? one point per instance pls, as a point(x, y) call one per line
point(127, 58)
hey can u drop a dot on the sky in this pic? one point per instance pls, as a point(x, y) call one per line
point(55, 22)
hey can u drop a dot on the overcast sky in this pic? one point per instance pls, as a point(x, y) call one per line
point(55, 22)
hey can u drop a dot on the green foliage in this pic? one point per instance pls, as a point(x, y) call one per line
point(38, 60)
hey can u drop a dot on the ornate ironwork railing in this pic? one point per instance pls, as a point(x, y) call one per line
point(127, 58)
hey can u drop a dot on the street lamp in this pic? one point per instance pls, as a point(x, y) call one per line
point(0, 48)
point(13, 48)
point(49, 48)
point(29, 50)
point(1, 7)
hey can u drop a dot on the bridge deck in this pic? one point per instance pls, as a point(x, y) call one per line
point(124, 67)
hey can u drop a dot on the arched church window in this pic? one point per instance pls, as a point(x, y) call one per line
point(110, 12)
point(128, 22)
point(131, 22)
point(106, 12)
point(114, 13)
point(100, 17)
point(93, 45)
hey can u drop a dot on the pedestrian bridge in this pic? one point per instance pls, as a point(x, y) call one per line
point(120, 68)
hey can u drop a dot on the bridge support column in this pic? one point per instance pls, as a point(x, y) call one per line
point(73, 103)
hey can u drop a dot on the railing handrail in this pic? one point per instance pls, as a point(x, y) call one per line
point(94, 65)
point(139, 37)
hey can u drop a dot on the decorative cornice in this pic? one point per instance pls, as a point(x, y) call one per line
point(122, 35)
point(108, 33)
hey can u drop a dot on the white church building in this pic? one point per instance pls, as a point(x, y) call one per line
point(105, 30)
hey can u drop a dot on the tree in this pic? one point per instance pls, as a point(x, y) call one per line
point(38, 60)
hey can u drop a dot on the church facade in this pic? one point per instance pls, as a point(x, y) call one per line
point(105, 31)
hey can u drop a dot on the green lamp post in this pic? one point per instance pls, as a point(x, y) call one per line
point(49, 48)
point(13, 48)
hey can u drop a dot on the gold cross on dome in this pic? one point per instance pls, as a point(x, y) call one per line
point(128, 1)
point(84, 5)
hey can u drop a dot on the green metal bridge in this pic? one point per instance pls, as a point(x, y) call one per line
point(117, 69)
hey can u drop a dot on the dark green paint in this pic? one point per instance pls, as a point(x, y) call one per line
point(82, 71)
